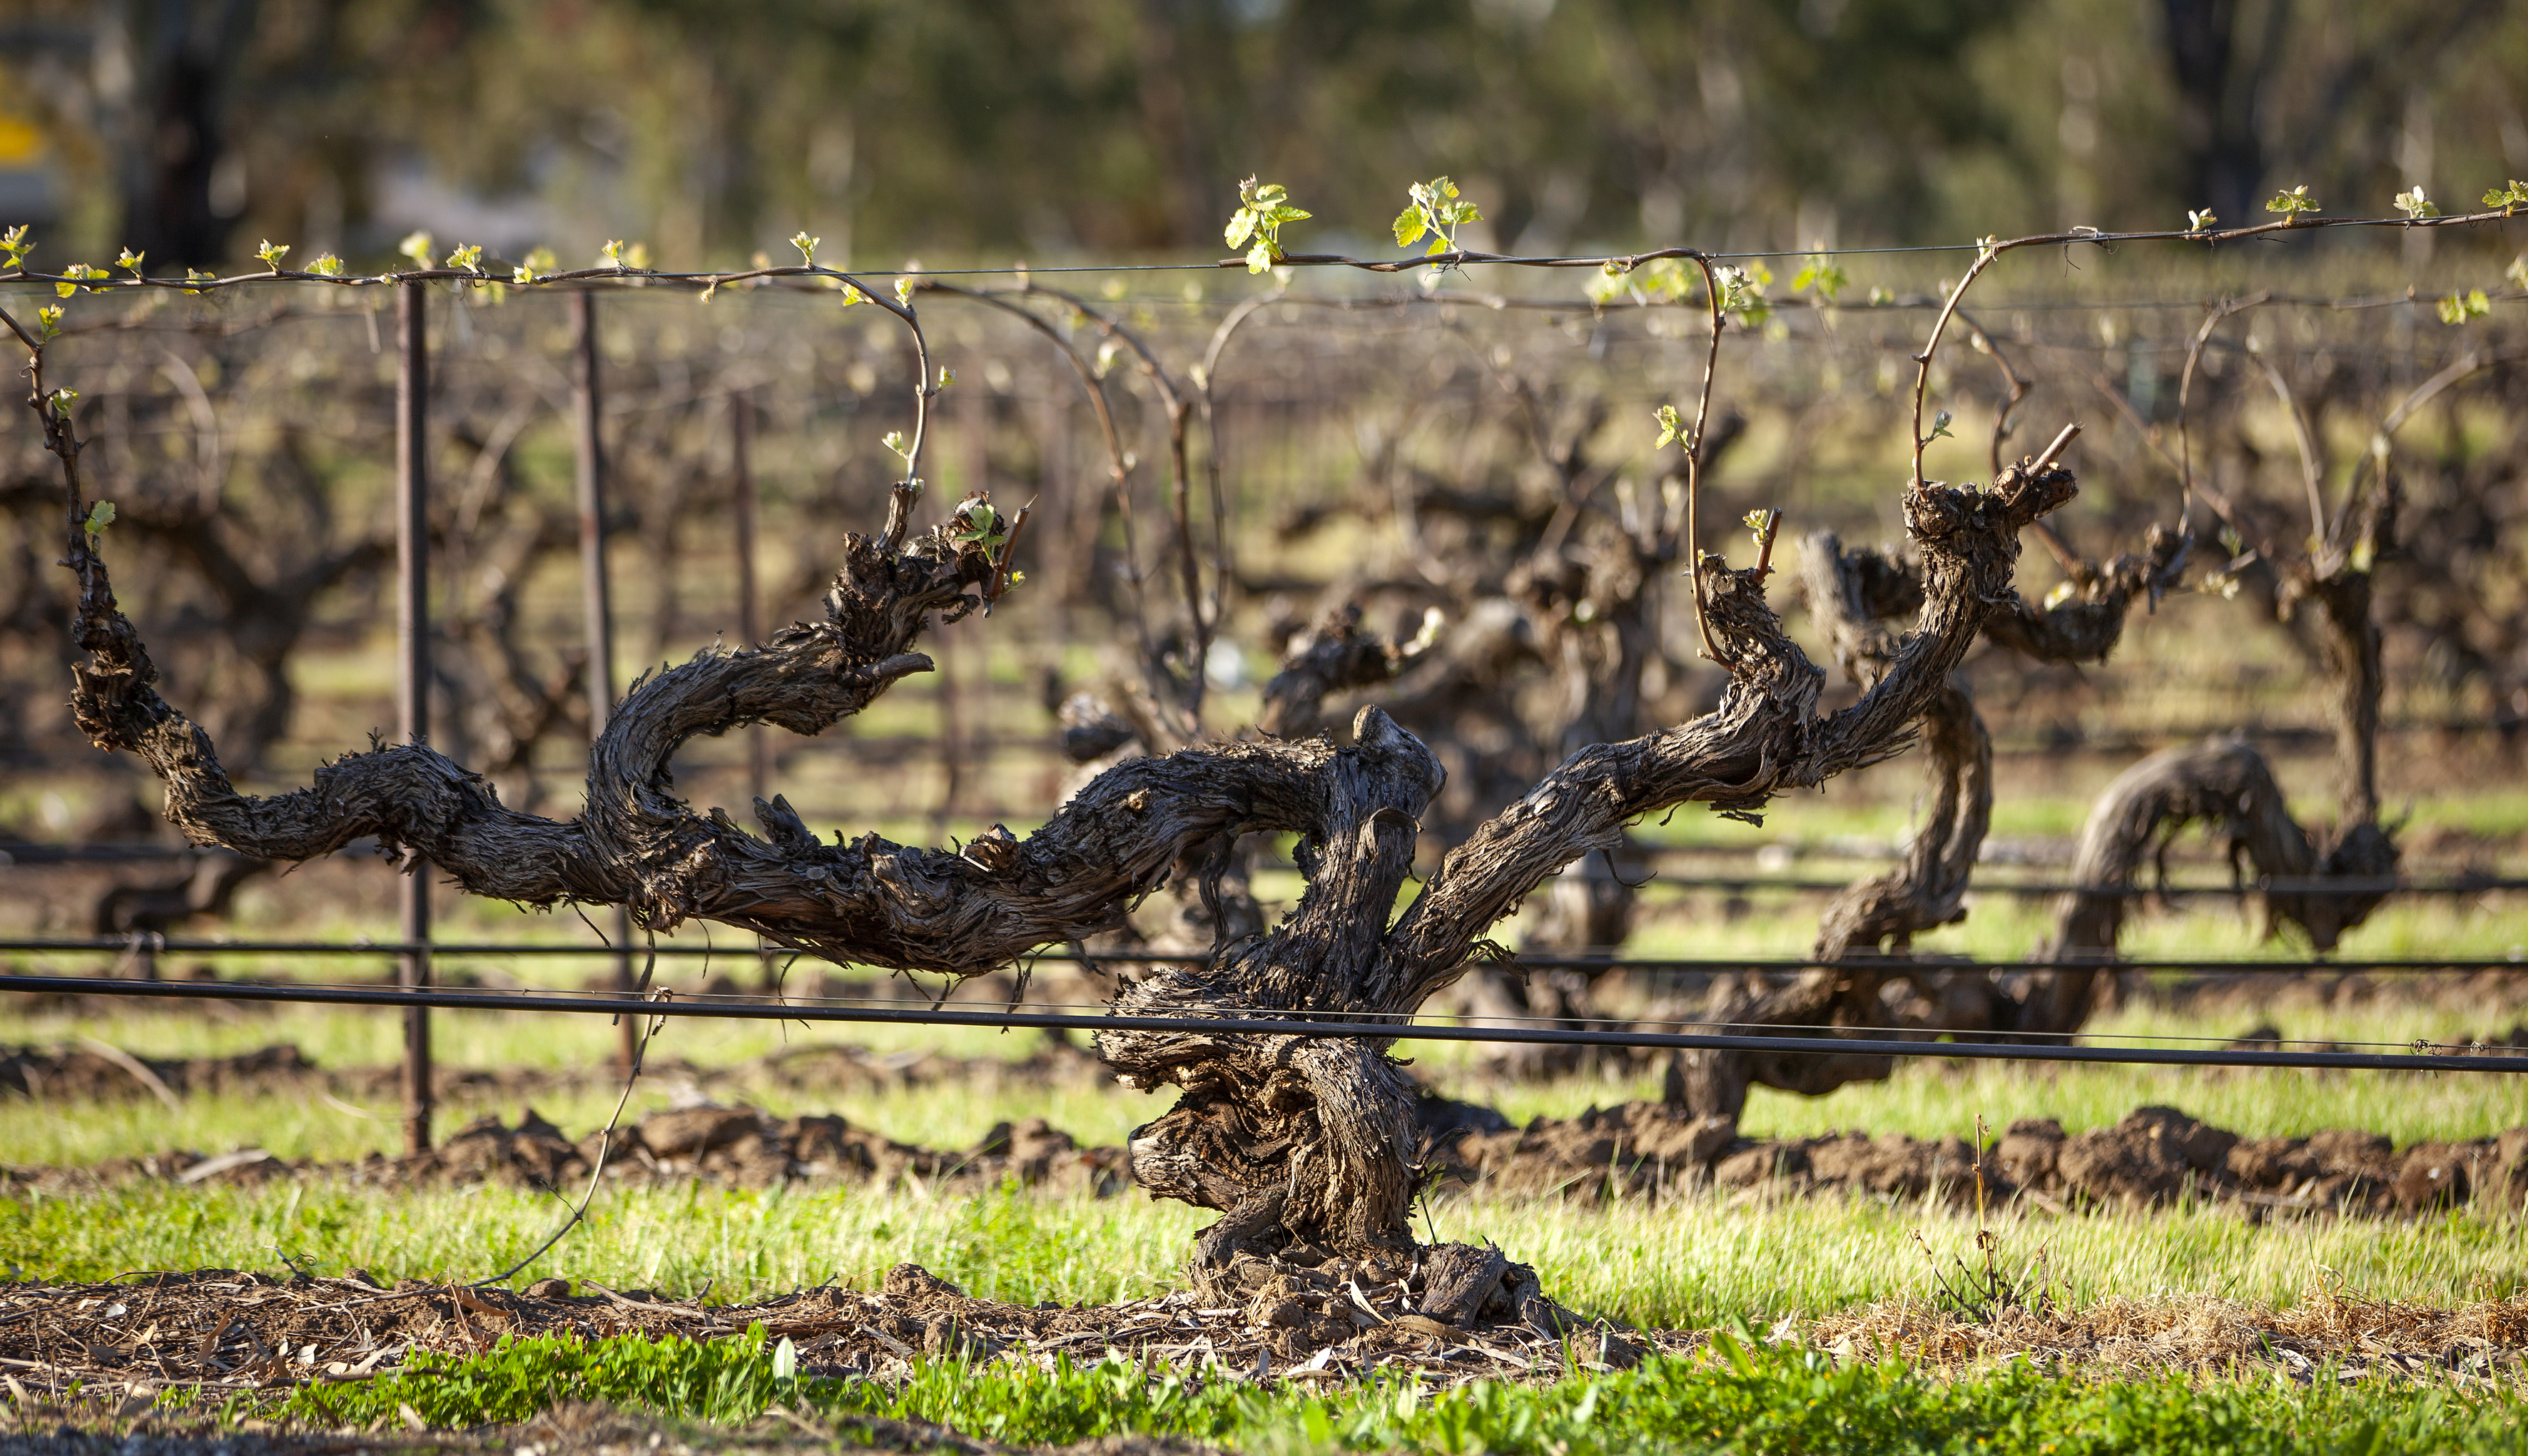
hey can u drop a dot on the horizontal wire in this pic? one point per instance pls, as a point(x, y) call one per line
point(1496, 302)
point(1406, 1026)
point(1910, 302)
point(1265, 1025)
point(1446, 261)
point(13, 856)
point(1610, 960)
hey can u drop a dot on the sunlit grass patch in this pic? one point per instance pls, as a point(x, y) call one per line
point(1738, 1393)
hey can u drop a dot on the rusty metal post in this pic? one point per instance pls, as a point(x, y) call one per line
point(412, 671)
point(596, 600)
point(750, 622)
point(749, 609)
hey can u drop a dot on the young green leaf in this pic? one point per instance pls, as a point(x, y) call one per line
point(199, 276)
point(904, 291)
point(1939, 426)
point(272, 253)
point(1820, 273)
point(48, 323)
point(132, 261)
point(101, 514)
point(75, 270)
point(1672, 427)
point(1742, 293)
point(2517, 272)
point(2199, 220)
point(61, 399)
point(2413, 204)
point(1256, 225)
point(418, 245)
point(2457, 308)
point(895, 441)
point(326, 266)
point(805, 245)
point(1434, 209)
point(14, 246)
point(1668, 281)
point(467, 256)
point(2293, 202)
point(974, 521)
point(2506, 198)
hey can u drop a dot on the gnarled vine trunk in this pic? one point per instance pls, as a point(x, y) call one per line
point(2226, 785)
point(1292, 1139)
point(1869, 979)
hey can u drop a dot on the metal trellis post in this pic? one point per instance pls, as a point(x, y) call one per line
point(750, 616)
point(597, 601)
point(412, 673)
point(750, 608)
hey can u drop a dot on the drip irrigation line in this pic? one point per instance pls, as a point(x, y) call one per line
point(1610, 959)
point(2280, 885)
point(1312, 1027)
point(1404, 1024)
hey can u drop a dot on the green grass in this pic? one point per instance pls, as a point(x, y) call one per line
point(1740, 1395)
point(1924, 1099)
point(1686, 1261)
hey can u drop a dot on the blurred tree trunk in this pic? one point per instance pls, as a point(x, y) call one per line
point(185, 54)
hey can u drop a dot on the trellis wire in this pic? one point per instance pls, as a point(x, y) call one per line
point(1312, 1027)
point(415, 946)
point(1612, 958)
point(1443, 262)
point(14, 855)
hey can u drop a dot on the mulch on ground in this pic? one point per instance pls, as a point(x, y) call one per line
point(1301, 1316)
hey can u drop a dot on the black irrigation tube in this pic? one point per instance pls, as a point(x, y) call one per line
point(2303, 885)
point(1612, 960)
point(1256, 1026)
point(2463, 884)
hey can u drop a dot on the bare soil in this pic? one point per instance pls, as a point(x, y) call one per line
point(1302, 1314)
point(95, 1071)
point(2155, 1156)
point(93, 1426)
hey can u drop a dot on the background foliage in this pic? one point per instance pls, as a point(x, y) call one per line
point(189, 129)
